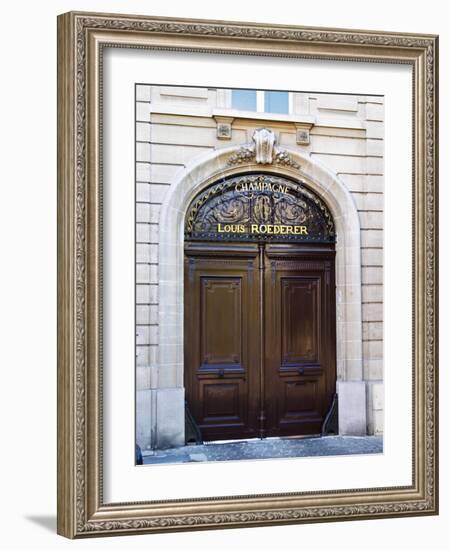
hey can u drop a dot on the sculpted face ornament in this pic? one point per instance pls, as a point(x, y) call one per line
point(264, 143)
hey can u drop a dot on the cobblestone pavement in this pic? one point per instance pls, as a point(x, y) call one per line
point(267, 448)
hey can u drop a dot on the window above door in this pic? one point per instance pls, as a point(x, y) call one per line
point(261, 101)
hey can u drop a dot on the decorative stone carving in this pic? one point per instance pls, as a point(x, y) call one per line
point(243, 155)
point(247, 154)
point(264, 143)
point(302, 136)
point(224, 130)
point(283, 158)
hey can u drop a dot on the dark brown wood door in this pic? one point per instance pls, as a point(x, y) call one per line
point(300, 343)
point(221, 350)
point(259, 339)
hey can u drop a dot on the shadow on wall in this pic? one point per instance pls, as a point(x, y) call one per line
point(46, 522)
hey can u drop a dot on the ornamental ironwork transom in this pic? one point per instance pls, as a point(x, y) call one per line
point(259, 207)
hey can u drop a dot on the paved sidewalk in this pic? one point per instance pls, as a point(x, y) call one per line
point(267, 448)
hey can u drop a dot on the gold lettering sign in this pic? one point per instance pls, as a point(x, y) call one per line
point(258, 207)
point(263, 229)
point(261, 186)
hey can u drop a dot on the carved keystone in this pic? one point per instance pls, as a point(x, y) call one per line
point(264, 143)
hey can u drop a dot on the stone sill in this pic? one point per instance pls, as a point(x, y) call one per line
point(306, 120)
point(160, 109)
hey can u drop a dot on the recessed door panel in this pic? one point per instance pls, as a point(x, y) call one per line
point(299, 412)
point(300, 397)
point(300, 319)
point(220, 401)
point(221, 320)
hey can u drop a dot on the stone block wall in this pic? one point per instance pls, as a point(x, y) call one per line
point(174, 125)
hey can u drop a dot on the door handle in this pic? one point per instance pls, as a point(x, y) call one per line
point(221, 373)
point(301, 370)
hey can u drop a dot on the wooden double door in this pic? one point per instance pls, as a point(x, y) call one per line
point(260, 338)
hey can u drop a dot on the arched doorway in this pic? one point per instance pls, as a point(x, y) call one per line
point(167, 394)
point(259, 308)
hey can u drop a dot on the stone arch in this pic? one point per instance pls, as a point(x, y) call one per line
point(191, 180)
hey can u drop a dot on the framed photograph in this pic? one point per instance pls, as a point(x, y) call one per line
point(247, 285)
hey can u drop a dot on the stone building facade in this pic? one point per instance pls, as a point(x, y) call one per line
point(187, 138)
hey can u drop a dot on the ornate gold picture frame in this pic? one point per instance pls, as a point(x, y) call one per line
point(82, 40)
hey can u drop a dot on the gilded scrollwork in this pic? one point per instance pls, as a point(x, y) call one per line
point(261, 199)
